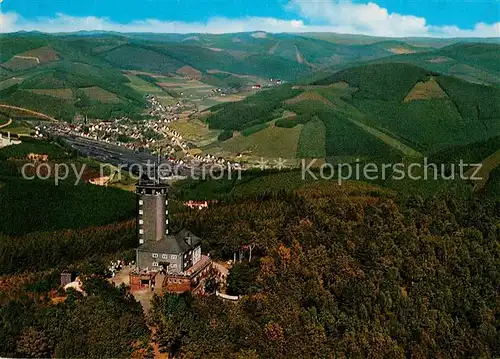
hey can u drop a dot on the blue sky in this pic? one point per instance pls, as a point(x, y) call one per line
point(379, 17)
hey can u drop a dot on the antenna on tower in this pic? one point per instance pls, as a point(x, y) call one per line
point(158, 162)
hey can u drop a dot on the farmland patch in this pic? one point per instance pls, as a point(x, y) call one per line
point(43, 54)
point(189, 71)
point(10, 82)
point(99, 94)
point(425, 91)
point(401, 50)
point(66, 94)
point(271, 142)
point(308, 96)
point(21, 63)
point(194, 130)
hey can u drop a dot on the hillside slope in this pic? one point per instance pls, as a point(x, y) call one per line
point(473, 62)
point(367, 108)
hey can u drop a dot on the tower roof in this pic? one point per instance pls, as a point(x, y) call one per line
point(173, 243)
point(146, 182)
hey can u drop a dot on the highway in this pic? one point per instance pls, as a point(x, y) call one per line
point(122, 157)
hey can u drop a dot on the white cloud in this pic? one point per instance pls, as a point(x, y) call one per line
point(314, 16)
point(371, 19)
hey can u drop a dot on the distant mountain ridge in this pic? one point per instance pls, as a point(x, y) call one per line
point(98, 59)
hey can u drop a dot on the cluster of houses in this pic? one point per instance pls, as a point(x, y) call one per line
point(272, 82)
point(212, 160)
point(122, 132)
point(164, 112)
point(222, 92)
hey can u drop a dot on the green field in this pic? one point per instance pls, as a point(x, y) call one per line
point(143, 86)
point(100, 95)
point(17, 127)
point(65, 94)
point(488, 166)
point(272, 141)
point(492, 189)
point(10, 82)
point(254, 110)
point(254, 129)
point(195, 131)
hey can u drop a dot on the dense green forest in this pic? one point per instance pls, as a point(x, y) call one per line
point(38, 205)
point(346, 271)
point(106, 322)
point(254, 110)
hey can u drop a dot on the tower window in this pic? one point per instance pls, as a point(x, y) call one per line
point(141, 231)
point(155, 255)
point(141, 221)
point(141, 211)
point(141, 241)
point(141, 202)
point(155, 264)
point(173, 256)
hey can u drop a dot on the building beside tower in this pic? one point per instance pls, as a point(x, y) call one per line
point(177, 255)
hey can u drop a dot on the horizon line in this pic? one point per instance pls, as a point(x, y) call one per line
point(97, 31)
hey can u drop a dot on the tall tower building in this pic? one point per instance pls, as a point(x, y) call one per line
point(152, 214)
point(158, 248)
point(177, 255)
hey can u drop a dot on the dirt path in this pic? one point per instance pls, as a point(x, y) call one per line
point(6, 124)
point(488, 164)
point(382, 136)
point(29, 111)
point(272, 50)
point(391, 141)
point(28, 58)
point(298, 55)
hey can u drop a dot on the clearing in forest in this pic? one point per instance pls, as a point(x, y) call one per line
point(101, 95)
point(309, 96)
point(425, 91)
point(65, 94)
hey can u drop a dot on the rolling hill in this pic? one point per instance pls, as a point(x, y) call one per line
point(377, 110)
point(400, 102)
point(473, 62)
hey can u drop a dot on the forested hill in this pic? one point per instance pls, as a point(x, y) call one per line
point(474, 62)
point(384, 108)
point(345, 271)
point(350, 271)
